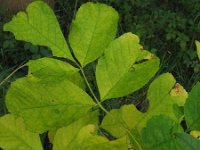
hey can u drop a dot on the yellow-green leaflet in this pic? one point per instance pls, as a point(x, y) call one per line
point(38, 25)
point(14, 136)
point(47, 98)
point(86, 138)
point(94, 27)
point(121, 70)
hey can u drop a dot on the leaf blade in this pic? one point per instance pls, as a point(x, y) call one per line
point(39, 26)
point(92, 30)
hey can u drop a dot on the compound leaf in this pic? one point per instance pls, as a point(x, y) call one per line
point(13, 135)
point(49, 103)
point(162, 96)
point(39, 26)
point(86, 139)
point(121, 70)
point(92, 30)
point(191, 108)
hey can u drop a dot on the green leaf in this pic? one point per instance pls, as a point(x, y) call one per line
point(159, 134)
point(72, 130)
point(191, 108)
point(52, 70)
point(188, 142)
point(121, 70)
point(48, 103)
point(198, 48)
point(14, 136)
point(162, 96)
point(93, 29)
point(38, 25)
point(86, 139)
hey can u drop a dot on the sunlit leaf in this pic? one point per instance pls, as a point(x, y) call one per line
point(92, 30)
point(38, 25)
point(14, 136)
point(121, 70)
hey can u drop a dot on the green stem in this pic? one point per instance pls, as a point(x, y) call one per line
point(134, 139)
point(91, 91)
point(12, 73)
point(101, 106)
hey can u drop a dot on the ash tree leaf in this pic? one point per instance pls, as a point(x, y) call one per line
point(187, 141)
point(191, 108)
point(121, 70)
point(160, 134)
point(13, 135)
point(162, 97)
point(86, 138)
point(198, 48)
point(49, 103)
point(94, 27)
point(38, 25)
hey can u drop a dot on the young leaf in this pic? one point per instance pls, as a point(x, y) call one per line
point(159, 134)
point(188, 142)
point(121, 70)
point(198, 48)
point(161, 102)
point(13, 135)
point(93, 29)
point(49, 103)
point(86, 139)
point(39, 26)
point(191, 108)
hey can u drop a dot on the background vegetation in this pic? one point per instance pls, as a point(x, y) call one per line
point(167, 28)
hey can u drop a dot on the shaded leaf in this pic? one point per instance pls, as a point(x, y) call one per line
point(159, 134)
point(188, 142)
point(191, 108)
point(92, 30)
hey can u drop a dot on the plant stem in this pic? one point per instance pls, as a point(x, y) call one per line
point(91, 91)
point(12, 73)
point(101, 106)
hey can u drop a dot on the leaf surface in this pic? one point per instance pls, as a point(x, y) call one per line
point(159, 134)
point(121, 70)
point(72, 129)
point(92, 30)
point(191, 108)
point(49, 103)
point(50, 70)
point(14, 136)
point(38, 25)
point(86, 138)
point(188, 142)
point(161, 101)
